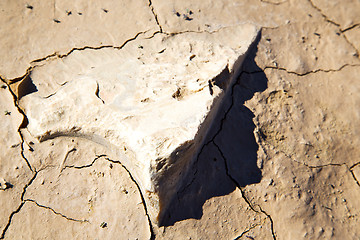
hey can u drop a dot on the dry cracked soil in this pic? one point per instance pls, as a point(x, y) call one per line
point(283, 161)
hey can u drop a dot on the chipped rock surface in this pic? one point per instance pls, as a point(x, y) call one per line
point(95, 98)
point(151, 103)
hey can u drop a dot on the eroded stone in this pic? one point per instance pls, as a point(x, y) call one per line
point(152, 102)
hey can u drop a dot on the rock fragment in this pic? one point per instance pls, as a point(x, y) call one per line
point(99, 95)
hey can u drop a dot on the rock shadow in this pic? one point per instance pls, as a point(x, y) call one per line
point(208, 177)
point(26, 87)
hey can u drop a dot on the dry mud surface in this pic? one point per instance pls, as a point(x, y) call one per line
point(282, 160)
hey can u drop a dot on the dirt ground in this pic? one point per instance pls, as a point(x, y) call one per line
point(284, 162)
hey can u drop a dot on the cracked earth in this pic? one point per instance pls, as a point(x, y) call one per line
point(281, 162)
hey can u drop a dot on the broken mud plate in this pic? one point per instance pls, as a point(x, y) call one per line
point(103, 101)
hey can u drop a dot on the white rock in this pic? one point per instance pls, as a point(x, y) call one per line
point(151, 102)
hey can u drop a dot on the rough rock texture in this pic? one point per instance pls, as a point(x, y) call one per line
point(151, 103)
point(282, 157)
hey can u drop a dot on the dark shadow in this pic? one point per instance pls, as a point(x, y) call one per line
point(26, 87)
point(209, 177)
point(6, 185)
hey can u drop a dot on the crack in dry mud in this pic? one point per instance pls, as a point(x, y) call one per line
point(355, 179)
point(247, 230)
point(193, 31)
point(200, 31)
point(20, 206)
point(87, 47)
point(354, 165)
point(55, 212)
point(84, 166)
point(10, 218)
point(39, 205)
point(23, 201)
point(57, 55)
point(313, 71)
point(87, 165)
point(351, 27)
point(22, 125)
point(352, 45)
point(263, 142)
point(151, 228)
point(307, 165)
point(322, 14)
point(155, 15)
point(350, 169)
point(243, 193)
point(338, 25)
point(353, 174)
point(212, 140)
point(104, 156)
point(219, 130)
